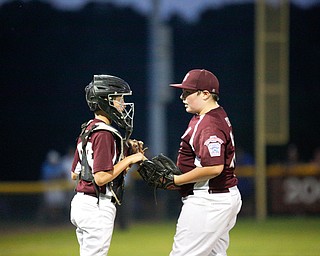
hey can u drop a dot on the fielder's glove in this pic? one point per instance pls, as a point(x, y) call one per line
point(158, 172)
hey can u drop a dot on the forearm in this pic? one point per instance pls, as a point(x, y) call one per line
point(198, 174)
point(104, 177)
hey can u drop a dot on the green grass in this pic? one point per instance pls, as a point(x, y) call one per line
point(274, 237)
point(277, 236)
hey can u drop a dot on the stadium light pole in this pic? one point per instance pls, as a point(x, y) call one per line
point(159, 78)
point(159, 74)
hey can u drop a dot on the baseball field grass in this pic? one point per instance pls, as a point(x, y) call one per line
point(290, 236)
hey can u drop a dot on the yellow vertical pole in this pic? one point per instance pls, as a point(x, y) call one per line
point(271, 88)
point(260, 139)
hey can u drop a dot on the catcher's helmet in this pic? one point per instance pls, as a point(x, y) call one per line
point(100, 94)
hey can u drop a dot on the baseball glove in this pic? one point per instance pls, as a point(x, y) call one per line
point(134, 146)
point(158, 172)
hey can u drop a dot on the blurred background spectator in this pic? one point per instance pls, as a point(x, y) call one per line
point(53, 202)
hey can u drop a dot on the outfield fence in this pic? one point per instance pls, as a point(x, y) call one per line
point(290, 189)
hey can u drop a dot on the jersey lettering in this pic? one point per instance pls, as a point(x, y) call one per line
point(89, 152)
point(233, 160)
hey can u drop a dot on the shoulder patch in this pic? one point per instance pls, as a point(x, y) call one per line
point(214, 145)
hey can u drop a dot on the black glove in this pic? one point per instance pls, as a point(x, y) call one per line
point(158, 172)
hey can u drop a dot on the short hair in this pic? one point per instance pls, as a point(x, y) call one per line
point(215, 96)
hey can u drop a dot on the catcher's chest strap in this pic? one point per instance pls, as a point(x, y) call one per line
point(86, 171)
point(85, 135)
point(115, 132)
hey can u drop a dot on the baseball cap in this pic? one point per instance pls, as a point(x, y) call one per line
point(199, 79)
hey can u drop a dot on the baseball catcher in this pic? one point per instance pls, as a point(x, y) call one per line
point(159, 172)
point(100, 163)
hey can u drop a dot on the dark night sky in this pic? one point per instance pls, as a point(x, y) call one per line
point(48, 56)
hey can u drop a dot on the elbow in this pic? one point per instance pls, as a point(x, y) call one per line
point(215, 171)
point(74, 176)
point(99, 181)
point(102, 178)
point(99, 184)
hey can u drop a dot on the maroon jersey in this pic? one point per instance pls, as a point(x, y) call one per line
point(101, 152)
point(208, 141)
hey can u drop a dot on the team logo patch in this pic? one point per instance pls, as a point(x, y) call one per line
point(214, 145)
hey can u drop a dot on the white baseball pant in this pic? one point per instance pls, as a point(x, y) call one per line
point(94, 222)
point(204, 223)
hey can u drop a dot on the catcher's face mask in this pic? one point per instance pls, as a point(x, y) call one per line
point(125, 111)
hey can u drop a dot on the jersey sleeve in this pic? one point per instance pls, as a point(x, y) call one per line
point(76, 162)
point(211, 147)
point(104, 151)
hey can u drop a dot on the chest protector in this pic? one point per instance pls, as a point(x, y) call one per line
point(116, 186)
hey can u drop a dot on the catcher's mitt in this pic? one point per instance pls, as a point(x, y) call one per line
point(135, 146)
point(158, 172)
